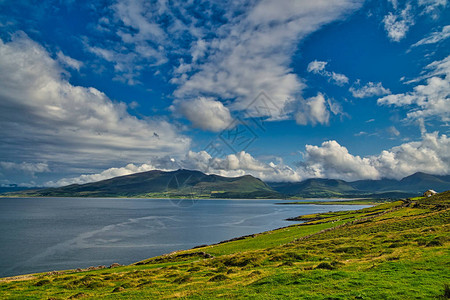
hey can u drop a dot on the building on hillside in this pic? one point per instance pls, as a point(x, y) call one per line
point(429, 193)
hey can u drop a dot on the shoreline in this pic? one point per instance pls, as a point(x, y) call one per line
point(293, 220)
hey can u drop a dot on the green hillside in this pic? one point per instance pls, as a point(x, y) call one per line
point(410, 186)
point(316, 187)
point(160, 184)
point(195, 184)
point(397, 250)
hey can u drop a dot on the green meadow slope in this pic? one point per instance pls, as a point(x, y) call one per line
point(397, 250)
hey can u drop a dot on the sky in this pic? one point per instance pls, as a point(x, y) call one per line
point(284, 90)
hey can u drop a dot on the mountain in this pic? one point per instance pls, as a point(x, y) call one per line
point(180, 183)
point(195, 184)
point(422, 181)
point(415, 183)
point(409, 186)
point(316, 187)
point(13, 188)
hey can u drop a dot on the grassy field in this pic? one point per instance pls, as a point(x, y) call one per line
point(397, 250)
point(340, 201)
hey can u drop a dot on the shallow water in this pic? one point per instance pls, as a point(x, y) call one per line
point(45, 234)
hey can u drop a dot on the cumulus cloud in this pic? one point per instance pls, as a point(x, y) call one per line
point(239, 164)
point(318, 67)
point(106, 174)
point(398, 24)
point(205, 113)
point(331, 160)
point(369, 90)
point(431, 154)
point(45, 118)
point(233, 165)
point(313, 111)
point(427, 100)
point(434, 37)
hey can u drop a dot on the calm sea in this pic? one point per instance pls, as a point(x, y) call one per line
point(45, 234)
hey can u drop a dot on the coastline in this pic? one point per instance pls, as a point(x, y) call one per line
point(339, 254)
point(213, 243)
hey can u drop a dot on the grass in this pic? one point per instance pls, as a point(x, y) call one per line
point(337, 202)
point(397, 250)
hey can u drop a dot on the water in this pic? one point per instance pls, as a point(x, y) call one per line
point(45, 234)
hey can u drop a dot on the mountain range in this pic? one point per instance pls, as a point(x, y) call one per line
point(187, 183)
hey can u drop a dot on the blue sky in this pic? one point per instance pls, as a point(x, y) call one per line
point(282, 90)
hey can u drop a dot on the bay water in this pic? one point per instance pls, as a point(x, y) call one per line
point(46, 234)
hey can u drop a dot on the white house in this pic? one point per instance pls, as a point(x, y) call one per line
point(429, 193)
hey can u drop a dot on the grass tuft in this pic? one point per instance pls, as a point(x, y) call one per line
point(325, 266)
point(219, 277)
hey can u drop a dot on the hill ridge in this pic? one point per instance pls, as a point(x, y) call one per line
point(184, 183)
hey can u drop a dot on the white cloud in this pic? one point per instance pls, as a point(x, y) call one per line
point(394, 3)
point(205, 113)
point(69, 61)
point(240, 164)
point(432, 7)
point(233, 165)
point(107, 174)
point(31, 168)
point(45, 118)
point(253, 52)
point(318, 67)
point(393, 131)
point(313, 111)
point(339, 79)
point(430, 155)
point(331, 160)
point(369, 90)
point(431, 99)
point(142, 39)
point(398, 24)
point(233, 59)
point(434, 37)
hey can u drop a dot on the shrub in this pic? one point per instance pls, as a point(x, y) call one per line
point(94, 284)
point(435, 242)
point(255, 273)
point(221, 269)
point(118, 289)
point(42, 282)
point(446, 291)
point(182, 279)
point(126, 285)
point(325, 266)
point(79, 295)
point(145, 282)
point(219, 277)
